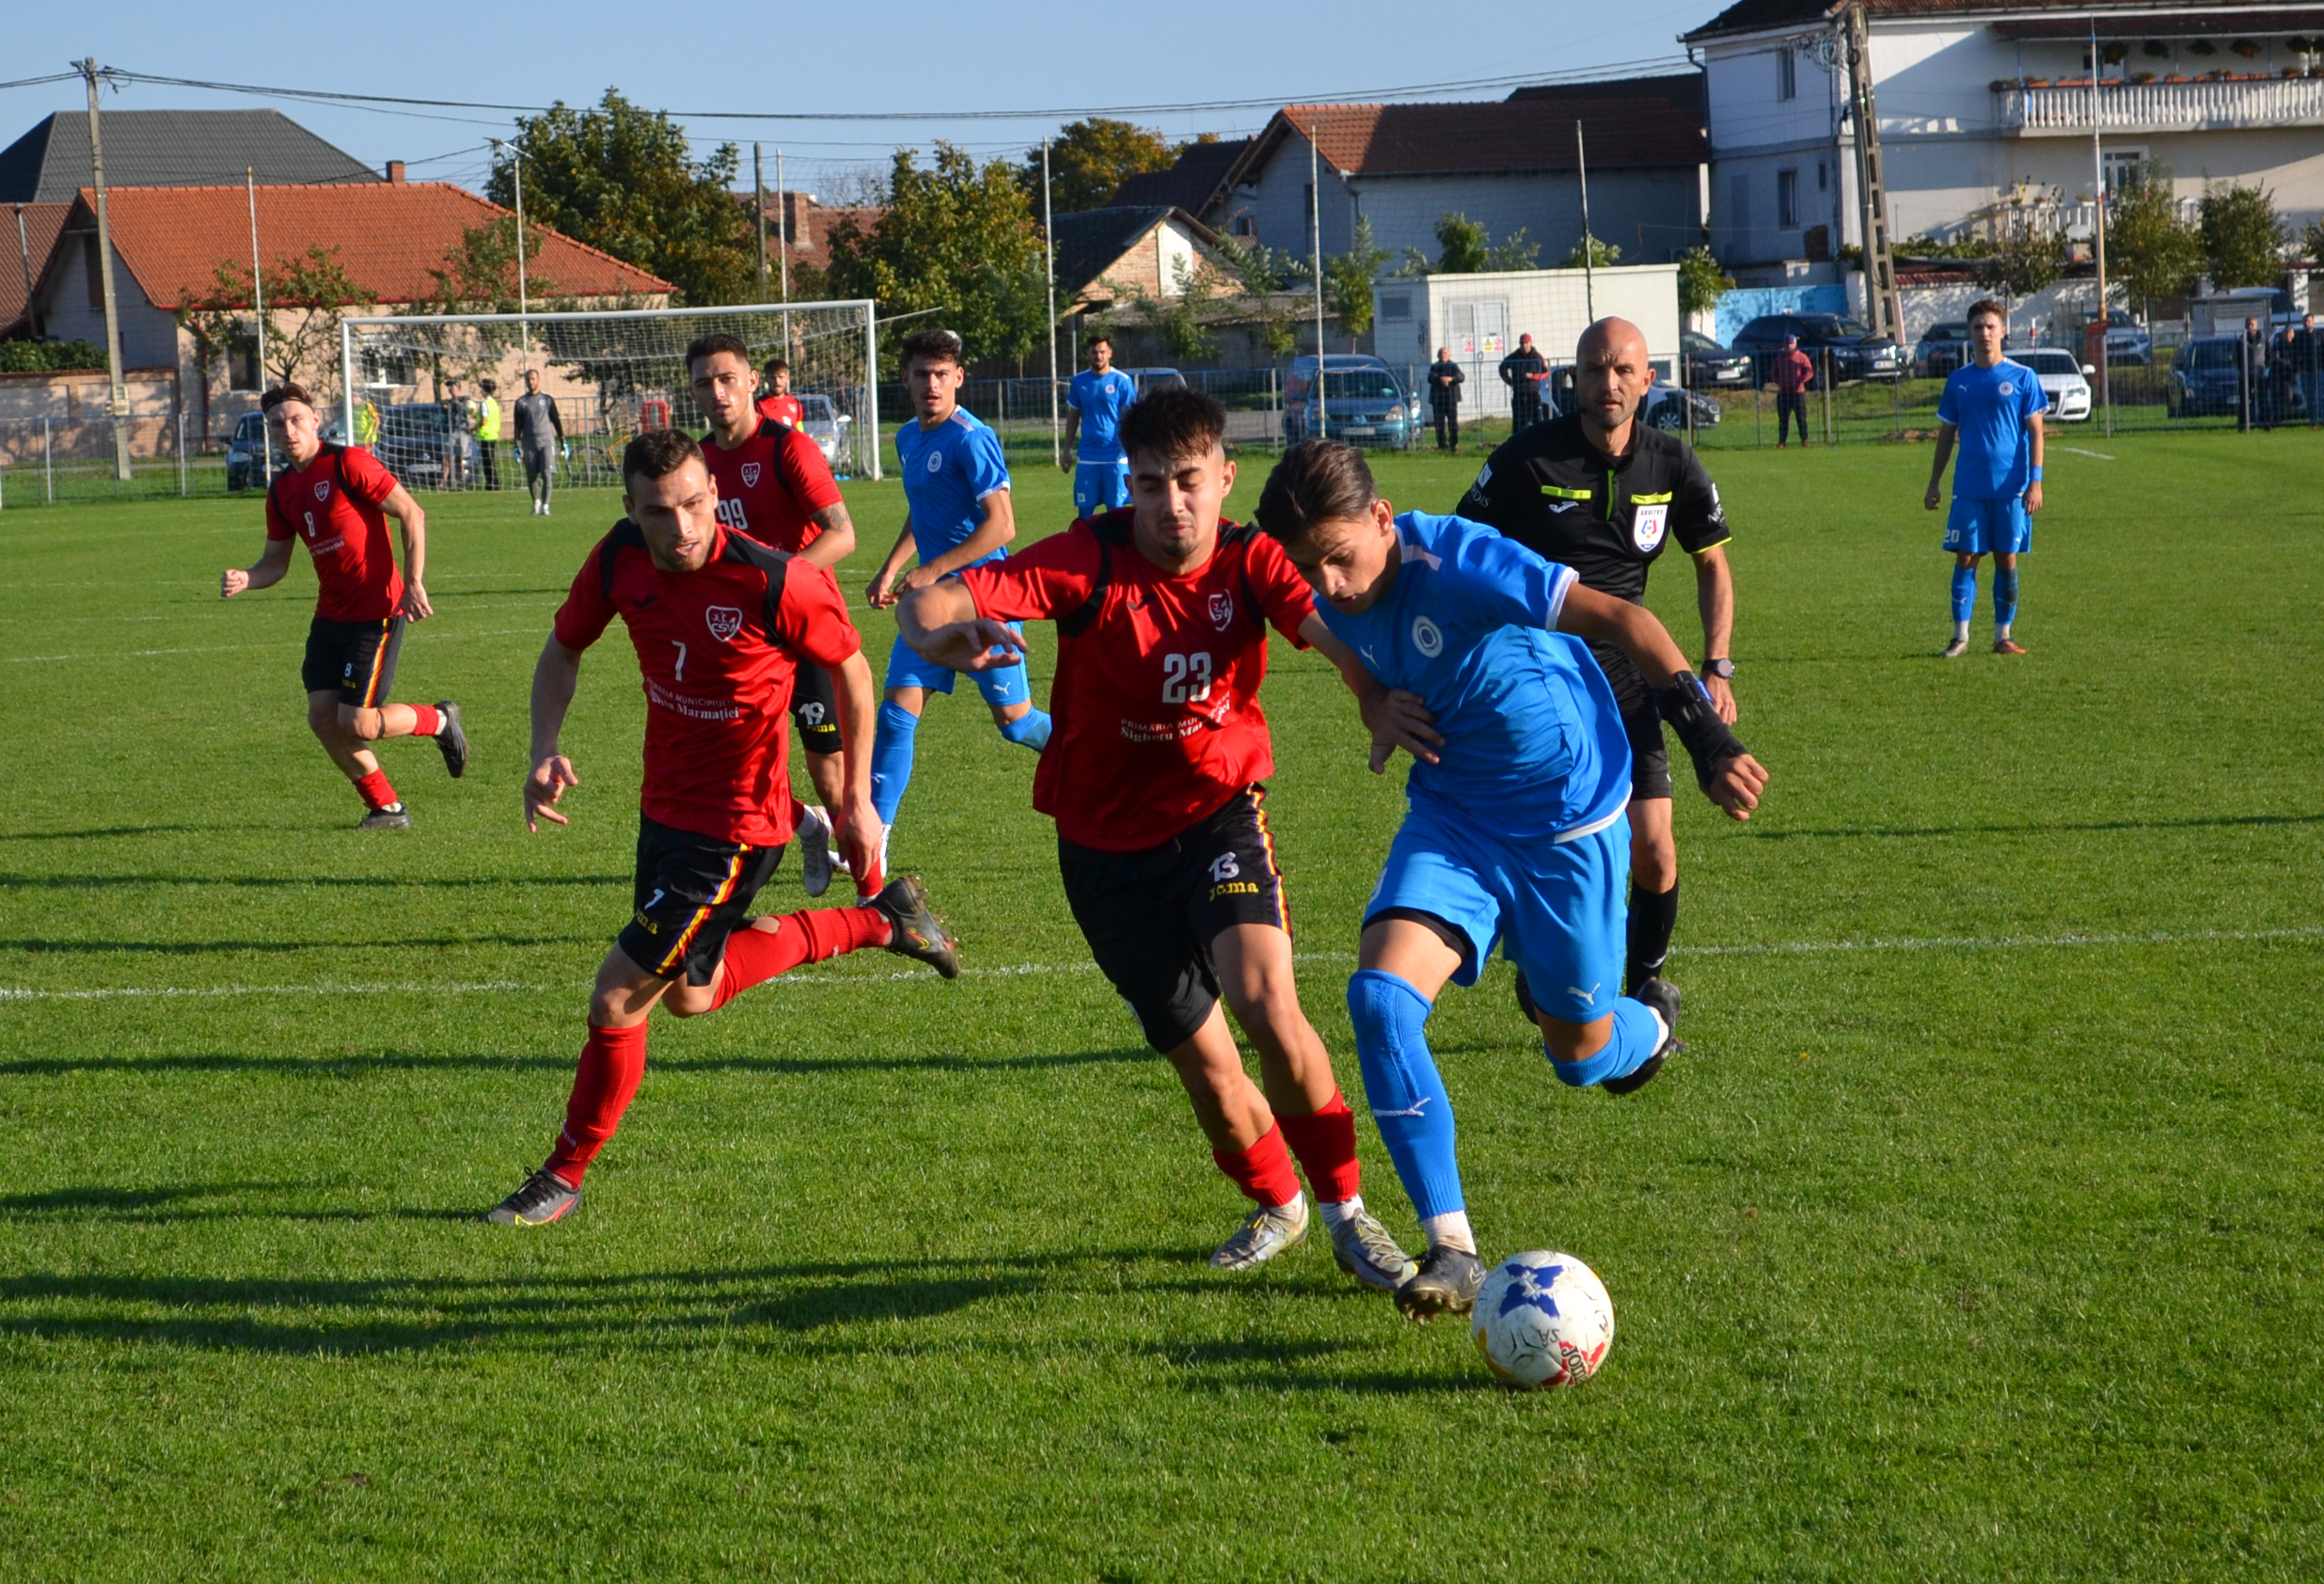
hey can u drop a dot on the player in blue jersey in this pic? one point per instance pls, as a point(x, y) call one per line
point(1474, 656)
point(1095, 403)
point(1994, 408)
point(956, 514)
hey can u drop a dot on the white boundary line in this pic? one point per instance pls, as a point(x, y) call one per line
point(2079, 452)
point(1033, 970)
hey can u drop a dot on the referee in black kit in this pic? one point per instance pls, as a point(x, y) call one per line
point(1601, 492)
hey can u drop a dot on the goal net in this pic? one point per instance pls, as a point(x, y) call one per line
point(413, 384)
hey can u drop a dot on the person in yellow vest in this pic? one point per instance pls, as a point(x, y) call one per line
point(488, 431)
point(367, 422)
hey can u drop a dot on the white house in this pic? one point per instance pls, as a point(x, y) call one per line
point(1479, 317)
point(1979, 103)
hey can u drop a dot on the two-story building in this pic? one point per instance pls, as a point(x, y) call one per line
point(1981, 105)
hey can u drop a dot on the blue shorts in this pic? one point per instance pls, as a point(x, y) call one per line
point(1006, 686)
point(1099, 486)
point(1557, 910)
point(1989, 526)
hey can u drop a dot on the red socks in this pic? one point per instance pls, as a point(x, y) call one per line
point(754, 955)
point(1325, 1145)
point(612, 1061)
point(375, 791)
point(427, 719)
point(1263, 1172)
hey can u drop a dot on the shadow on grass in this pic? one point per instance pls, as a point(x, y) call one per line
point(1848, 832)
point(294, 882)
point(412, 1061)
point(340, 948)
point(119, 831)
point(171, 1204)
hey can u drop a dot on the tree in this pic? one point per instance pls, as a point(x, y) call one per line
point(479, 275)
point(1468, 248)
point(1265, 275)
point(1603, 254)
point(2031, 255)
point(957, 238)
point(1182, 322)
point(1348, 281)
point(1702, 282)
point(2243, 236)
point(623, 180)
point(1090, 158)
point(2148, 248)
point(306, 296)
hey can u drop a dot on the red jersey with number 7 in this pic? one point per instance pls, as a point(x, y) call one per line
point(332, 505)
point(771, 485)
point(1154, 714)
point(715, 647)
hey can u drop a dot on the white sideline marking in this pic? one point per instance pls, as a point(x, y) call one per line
point(1031, 970)
point(2079, 452)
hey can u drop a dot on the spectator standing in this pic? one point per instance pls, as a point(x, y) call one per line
point(2304, 352)
point(2251, 378)
point(1523, 372)
point(1795, 371)
point(1445, 380)
point(488, 431)
point(539, 431)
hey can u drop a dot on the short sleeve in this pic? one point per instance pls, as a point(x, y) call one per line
point(1949, 405)
point(2035, 399)
point(1696, 517)
point(581, 620)
point(366, 475)
point(812, 616)
point(1050, 579)
point(805, 473)
point(278, 526)
point(1506, 584)
point(1073, 396)
point(987, 469)
point(1284, 595)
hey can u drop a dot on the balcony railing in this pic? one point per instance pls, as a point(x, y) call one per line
point(2196, 107)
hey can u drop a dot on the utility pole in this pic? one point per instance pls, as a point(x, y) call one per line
point(1882, 305)
point(105, 267)
point(524, 297)
point(758, 184)
point(2098, 231)
point(1589, 277)
point(783, 229)
point(1315, 238)
point(1049, 246)
point(258, 301)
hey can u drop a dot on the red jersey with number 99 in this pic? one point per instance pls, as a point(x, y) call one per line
point(332, 506)
point(771, 485)
point(715, 647)
point(1155, 716)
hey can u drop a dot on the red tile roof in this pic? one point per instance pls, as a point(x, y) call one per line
point(1624, 128)
point(387, 235)
point(42, 224)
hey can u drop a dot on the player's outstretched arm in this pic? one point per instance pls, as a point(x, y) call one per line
point(1725, 769)
point(1945, 435)
point(269, 570)
point(882, 592)
point(554, 679)
point(940, 624)
point(836, 543)
point(997, 528)
point(1395, 718)
point(413, 519)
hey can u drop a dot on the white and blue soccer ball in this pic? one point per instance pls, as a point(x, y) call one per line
point(1542, 1320)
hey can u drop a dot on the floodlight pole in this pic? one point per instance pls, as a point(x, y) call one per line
point(1589, 277)
point(258, 309)
point(783, 253)
point(524, 303)
point(1315, 242)
point(1049, 247)
point(104, 261)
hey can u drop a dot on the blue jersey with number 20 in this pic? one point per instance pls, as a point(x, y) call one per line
point(1990, 407)
point(948, 470)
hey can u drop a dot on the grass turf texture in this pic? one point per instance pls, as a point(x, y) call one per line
point(1985, 1253)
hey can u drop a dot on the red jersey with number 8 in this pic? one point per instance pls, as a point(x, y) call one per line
point(716, 648)
point(332, 506)
point(1154, 714)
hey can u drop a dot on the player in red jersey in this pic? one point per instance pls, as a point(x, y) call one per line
point(774, 485)
point(1152, 773)
point(338, 498)
point(720, 624)
point(779, 404)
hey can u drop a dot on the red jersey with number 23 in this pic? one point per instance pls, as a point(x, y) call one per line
point(771, 485)
point(715, 647)
point(1155, 716)
point(332, 505)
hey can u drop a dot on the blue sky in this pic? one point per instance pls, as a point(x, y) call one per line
point(905, 55)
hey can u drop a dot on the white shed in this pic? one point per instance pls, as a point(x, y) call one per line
point(1480, 317)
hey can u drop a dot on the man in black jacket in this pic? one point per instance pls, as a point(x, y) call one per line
point(1444, 381)
point(1522, 371)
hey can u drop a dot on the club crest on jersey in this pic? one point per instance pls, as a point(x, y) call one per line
point(1426, 637)
point(749, 475)
point(936, 462)
point(323, 488)
point(725, 622)
point(2008, 387)
point(1647, 524)
point(1222, 610)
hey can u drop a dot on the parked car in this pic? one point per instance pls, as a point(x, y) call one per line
point(1665, 406)
point(1155, 379)
point(2127, 344)
point(1708, 364)
point(821, 422)
point(1942, 349)
point(1363, 401)
point(1855, 352)
point(2063, 380)
point(411, 443)
point(2204, 378)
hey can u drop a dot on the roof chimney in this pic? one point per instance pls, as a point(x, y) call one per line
point(395, 172)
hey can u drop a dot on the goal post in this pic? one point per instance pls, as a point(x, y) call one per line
point(611, 372)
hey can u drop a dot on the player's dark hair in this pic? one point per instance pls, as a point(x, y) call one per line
point(1100, 339)
point(1985, 304)
point(1174, 423)
point(1317, 480)
point(289, 391)
point(658, 453)
point(774, 367)
point(489, 386)
point(717, 342)
point(934, 346)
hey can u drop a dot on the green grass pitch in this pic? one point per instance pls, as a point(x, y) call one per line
point(1976, 1237)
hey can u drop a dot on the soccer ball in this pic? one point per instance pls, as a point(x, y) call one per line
point(1543, 1320)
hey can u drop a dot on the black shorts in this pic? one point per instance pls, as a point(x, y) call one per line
point(1149, 916)
point(1650, 757)
point(356, 657)
point(815, 708)
point(691, 893)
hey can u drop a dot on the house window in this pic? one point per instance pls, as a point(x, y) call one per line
point(1787, 74)
point(2125, 168)
point(1787, 199)
point(1395, 306)
point(94, 268)
point(241, 361)
point(1246, 225)
point(1820, 175)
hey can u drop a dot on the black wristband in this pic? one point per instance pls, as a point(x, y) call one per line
point(1686, 704)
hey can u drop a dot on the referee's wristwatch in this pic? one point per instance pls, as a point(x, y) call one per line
point(1724, 670)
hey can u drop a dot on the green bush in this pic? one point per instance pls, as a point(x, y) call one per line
point(30, 357)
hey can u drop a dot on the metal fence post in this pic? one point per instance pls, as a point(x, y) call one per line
point(48, 464)
point(181, 478)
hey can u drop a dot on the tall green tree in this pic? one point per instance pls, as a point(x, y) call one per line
point(2149, 249)
point(1466, 247)
point(2031, 255)
point(957, 238)
point(625, 181)
point(1603, 254)
point(1701, 281)
point(1348, 280)
point(1090, 158)
point(307, 294)
point(2243, 236)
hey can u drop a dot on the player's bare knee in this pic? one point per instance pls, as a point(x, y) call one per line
point(363, 726)
point(1269, 1010)
point(689, 1001)
point(1654, 861)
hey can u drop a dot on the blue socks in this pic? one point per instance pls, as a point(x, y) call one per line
point(1636, 1034)
point(1408, 1098)
point(892, 759)
point(2005, 597)
point(1965, 591)
point(1029, 730)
